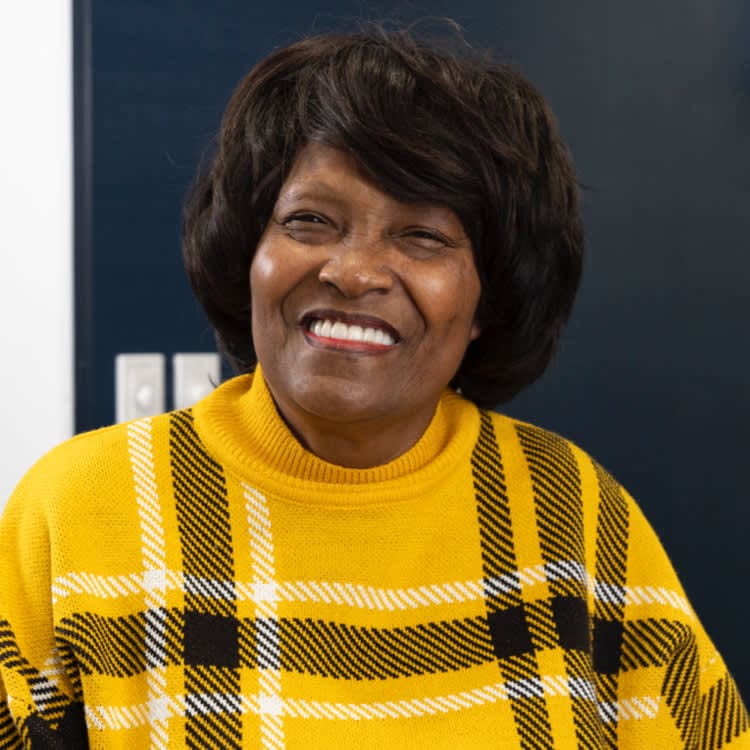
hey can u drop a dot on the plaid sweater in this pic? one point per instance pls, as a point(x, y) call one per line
point(199, 580)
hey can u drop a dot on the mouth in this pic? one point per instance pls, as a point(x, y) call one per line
point(349, 332)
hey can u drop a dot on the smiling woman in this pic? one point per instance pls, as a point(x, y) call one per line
point(427, 129)
point(341, 546)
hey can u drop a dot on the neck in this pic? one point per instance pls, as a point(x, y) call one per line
point(356, 443)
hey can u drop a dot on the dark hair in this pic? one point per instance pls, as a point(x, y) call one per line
point(426, 125)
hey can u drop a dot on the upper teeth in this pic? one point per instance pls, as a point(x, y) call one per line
point(339, 330)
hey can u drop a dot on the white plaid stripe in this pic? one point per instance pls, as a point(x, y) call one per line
point(267, 621)
point(646, 707)
point(366, 597)
point(126, 717)
point(153, 580)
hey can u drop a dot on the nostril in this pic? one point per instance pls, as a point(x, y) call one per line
point(354, 276)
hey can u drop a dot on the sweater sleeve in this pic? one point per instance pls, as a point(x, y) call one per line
point(38, 703)
point(667, 657)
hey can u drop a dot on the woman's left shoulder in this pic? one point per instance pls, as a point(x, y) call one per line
point(546, 452)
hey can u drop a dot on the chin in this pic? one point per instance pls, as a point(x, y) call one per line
point(327, 392)
point(342, 407)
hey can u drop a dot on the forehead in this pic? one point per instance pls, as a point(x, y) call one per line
point(319, 168)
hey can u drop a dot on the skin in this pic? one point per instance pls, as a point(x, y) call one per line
point(338, 248)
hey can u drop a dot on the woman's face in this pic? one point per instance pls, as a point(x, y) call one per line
point(362, 306)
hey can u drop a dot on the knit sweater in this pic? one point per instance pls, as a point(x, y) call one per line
point(198, 579)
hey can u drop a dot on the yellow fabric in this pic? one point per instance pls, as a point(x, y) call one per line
point(199, 579)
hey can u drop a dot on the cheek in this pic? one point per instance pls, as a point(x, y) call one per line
point(261, 272)
point(268, 282)
point(278, 276)
point(452, 294)
point(267, 294)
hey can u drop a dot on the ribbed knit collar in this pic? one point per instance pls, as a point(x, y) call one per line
point(241, 427)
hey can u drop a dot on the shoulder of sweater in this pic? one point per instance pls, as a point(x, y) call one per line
point(97, 443)
point(541, 435)
point(86, 459)
point(503, 421)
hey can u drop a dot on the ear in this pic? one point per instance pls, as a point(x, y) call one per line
point(476, 331)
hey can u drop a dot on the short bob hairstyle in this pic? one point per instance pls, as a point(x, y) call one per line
point(427, 125)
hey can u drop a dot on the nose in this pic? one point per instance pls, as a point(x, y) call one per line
point(357, 267)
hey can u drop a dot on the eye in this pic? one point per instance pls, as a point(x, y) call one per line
point(307, 227)
point(423, 243)
point(303, 218)
point(426, 236)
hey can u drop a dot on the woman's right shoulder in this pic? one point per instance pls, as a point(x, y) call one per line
point(86, 468)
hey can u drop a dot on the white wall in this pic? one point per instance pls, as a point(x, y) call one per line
point(36, 233)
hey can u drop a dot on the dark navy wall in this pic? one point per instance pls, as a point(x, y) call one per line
point(654, 98)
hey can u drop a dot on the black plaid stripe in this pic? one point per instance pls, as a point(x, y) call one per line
point(247, 643)
point(210, 599)
point(57, 721)
point(203, 520)
point(511, 631)
point(343, 651)
point(7, 727)
point(313, 647)
point(573, 624)
point(588, 722)
point(70, 730)
point(67, 659)
point(723, 715)
point(10, 656)
point(559, 621)
point(556, 482)
point(542, 626)
point(682, 690)
point(116, 646)
point(611, 542)
point(650, 642)
point(495, 528)
point(607, 648)
point(50, 702)
point(659, 642)
point(528, 701)
point(208, 725)
point(611, 568)
point(113, 646)
point(211, 639)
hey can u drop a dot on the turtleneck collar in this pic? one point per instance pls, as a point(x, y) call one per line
point(241, 427)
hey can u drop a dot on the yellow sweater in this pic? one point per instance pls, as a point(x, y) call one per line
point(200, 580)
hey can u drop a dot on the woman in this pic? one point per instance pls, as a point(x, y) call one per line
point(336, 548)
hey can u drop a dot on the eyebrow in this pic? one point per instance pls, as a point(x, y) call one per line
point(315, 189)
